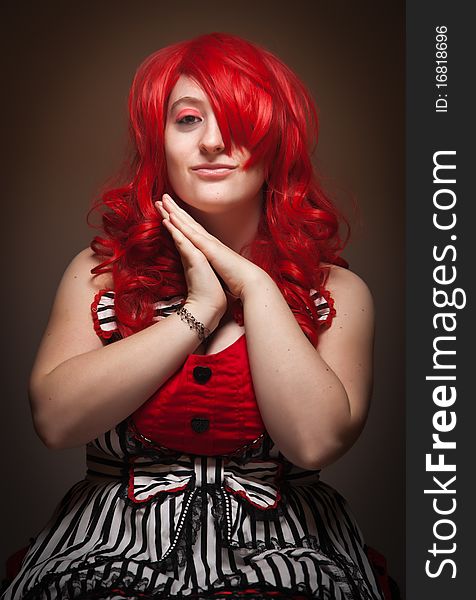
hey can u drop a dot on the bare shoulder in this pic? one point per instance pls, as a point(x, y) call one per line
point(81, 266)
point(353, 303)
point(347, 287)
point(78, 286)
point(70, 329)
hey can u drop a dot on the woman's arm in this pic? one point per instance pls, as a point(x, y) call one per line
point(314, 402)
point(79, 389)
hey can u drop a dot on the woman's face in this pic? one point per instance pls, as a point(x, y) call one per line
point(200, 172)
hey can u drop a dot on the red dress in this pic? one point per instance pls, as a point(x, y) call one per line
point(207, 407)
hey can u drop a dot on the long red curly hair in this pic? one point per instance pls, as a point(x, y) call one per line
point(259, 104)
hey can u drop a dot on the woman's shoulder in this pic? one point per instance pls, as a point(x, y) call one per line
point(69, 330)
point(343, 281)
point(93, 294)
point(85, 261)
point(351, 296)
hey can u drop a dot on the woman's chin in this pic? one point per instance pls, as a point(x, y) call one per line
point(210, 203)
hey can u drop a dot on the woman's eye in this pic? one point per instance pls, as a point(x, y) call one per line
point(188, 120)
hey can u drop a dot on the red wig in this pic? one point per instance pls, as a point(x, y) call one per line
point(259, 104)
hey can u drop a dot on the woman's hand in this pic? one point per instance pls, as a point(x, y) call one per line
point(203, 286)
point(235, 271)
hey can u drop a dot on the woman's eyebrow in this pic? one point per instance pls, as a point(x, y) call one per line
point(186, 100)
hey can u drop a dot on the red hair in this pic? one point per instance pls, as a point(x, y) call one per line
point(260, 104)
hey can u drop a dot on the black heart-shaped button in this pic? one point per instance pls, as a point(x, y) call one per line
point(199, 424)
point(202, 374)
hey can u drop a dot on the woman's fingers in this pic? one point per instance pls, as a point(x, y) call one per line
point(171, 205)
point(202, 281)
point(182, 233)
point(206, 243)
point(183, 244)
point(194, 232)
point(162, 210)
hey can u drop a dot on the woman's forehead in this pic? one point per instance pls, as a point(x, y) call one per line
point(187, 90)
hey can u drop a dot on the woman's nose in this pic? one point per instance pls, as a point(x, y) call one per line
point(211, 140)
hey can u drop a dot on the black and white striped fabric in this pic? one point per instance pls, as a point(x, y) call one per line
point(150, 522)
point(106, 315)
point(163, 308)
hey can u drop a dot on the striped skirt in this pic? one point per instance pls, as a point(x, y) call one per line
point(186, 526)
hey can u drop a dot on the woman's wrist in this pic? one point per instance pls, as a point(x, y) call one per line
point(202, 331)
point(254, 285)
point(200, 317)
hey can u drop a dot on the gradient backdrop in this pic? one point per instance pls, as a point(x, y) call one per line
point(66, 74)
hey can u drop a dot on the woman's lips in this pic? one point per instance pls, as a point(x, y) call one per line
point(215, 173)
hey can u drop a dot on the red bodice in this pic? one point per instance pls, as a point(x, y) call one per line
point(208, 406)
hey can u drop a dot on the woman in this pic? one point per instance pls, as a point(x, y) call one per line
point(204, 444)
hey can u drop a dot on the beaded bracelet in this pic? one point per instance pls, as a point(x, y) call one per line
point(185, 315)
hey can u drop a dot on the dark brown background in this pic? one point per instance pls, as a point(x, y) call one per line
point(66, 76)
